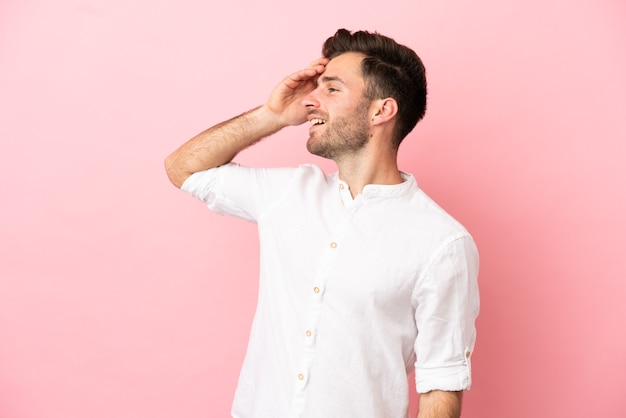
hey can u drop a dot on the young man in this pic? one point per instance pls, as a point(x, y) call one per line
point(363, 277)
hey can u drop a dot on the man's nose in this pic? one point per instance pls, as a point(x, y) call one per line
point(310, 100)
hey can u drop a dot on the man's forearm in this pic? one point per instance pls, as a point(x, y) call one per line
point(220, 144)
point(440, 404)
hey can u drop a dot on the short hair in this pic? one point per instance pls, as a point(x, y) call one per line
point(389, 70)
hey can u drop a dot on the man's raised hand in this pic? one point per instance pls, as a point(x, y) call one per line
point(286, 98)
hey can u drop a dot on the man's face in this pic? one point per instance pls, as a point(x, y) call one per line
point(338, 112)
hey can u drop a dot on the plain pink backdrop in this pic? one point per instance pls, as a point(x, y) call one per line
point(121, 296)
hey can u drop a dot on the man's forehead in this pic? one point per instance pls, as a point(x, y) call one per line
point(346, 65)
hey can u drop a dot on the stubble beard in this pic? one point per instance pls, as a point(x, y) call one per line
point(342, 136)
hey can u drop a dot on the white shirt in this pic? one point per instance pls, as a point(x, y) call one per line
point(353, 293)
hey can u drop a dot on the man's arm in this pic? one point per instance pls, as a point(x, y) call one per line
point(219, 144)
point(440, 404)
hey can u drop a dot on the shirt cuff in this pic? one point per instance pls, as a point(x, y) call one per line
point(450, 378)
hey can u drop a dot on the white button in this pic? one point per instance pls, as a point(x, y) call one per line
point(300, 376)
point(308, 333)
point(316, 289)
point(333, 245)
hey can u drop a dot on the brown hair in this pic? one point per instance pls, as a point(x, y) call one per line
point(390, 70)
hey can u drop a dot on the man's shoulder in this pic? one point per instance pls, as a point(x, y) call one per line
point(427, 213)
point(311, 169)
point(280, 179)
point(313, 173)
point(302, 169)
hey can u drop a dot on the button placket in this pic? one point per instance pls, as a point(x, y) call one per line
point(310, 330)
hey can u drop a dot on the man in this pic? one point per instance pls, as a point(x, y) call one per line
point(363, 277)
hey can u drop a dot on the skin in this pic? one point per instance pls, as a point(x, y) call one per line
point(298, 98)
point(357, 135)
point(338, 101)
point(440, 404)
point(339, 98)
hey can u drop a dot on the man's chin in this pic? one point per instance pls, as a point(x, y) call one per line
point(315, 147)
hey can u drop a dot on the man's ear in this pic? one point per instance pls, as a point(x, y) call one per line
point(384, 110)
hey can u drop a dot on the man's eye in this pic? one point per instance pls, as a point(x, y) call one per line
point(332, 90)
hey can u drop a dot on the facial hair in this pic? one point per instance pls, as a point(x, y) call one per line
point(342, 135)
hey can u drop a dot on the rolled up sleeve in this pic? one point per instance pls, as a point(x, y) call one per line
point(447, 305)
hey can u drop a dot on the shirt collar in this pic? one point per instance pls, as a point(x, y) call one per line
point(381, 190)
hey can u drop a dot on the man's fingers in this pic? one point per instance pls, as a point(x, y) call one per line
point(314, 69)
point(301, 76)
point(320, 61)
point(319, 65)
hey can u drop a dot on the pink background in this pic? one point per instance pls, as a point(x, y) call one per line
point(121, 296)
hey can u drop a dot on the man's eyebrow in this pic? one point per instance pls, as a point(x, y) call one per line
point(328, 79)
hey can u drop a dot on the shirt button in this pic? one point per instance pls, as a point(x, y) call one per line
point(308, 333)
point(300, 376)
point(341, 186)
point(316, 289)
point(333, 245)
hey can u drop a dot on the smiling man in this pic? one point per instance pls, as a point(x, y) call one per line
point(363, 277)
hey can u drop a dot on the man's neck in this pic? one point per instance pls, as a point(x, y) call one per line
point(368, 167)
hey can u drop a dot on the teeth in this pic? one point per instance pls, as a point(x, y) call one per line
point(317, 122)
